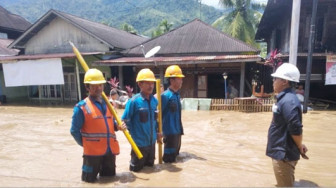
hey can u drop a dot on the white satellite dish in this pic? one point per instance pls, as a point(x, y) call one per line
point(152, 52)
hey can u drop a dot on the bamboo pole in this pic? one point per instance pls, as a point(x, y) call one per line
point(109, 105)
point(158, 94)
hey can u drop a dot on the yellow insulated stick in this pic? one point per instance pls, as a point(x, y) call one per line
point(109, 105)
point(158, 94)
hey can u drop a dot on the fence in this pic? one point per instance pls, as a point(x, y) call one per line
point(245, 104)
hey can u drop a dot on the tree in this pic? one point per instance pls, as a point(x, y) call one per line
point(163, 27)
point(128, 28)
point(242, 19)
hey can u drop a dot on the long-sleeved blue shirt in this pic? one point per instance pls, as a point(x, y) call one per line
point(140, 116)
point(287, 121)
point(78, 119)
point(171, 113)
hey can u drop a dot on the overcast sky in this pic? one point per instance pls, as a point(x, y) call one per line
point(215, 2)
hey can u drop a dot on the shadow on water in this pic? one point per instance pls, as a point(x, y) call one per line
point(125, 177)
point(185, 156)
point(305, 183)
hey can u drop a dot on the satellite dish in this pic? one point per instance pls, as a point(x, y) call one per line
point(152, 52)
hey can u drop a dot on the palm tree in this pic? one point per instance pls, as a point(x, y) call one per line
point(163, 27)
point(128, 28)
point(241, 20)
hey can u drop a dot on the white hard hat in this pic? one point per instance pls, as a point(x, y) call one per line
point(288, 72)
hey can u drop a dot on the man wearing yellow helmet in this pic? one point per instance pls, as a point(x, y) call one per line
point(171, 114)
point(140, 117)
point(93, 128)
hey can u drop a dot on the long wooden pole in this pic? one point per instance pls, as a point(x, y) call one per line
point(158, 94)
point(109, 105)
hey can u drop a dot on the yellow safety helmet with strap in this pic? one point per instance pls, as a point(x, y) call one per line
point(145, 75)
point(94, 76)
point(174, 71)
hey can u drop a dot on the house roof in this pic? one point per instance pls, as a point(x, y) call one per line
point(7, 59)
point(274, 11)
point(12, 21)
point(195, 37)
point(112, 37)
point(4, 51)
point(183, 60)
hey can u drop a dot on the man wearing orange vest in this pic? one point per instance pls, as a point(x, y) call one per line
point(93, 128)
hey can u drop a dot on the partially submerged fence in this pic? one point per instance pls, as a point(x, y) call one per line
point(245, 104)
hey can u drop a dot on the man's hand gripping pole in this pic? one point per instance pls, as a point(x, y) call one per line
point(109, 105)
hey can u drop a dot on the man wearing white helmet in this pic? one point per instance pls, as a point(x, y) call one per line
point(284, 143)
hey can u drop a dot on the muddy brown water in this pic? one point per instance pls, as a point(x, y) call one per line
point(219, 149)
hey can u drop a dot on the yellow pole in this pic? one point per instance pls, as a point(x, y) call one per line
point(109, 105)
point(158, 94)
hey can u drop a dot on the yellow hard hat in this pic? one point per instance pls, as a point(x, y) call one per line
point(145, 75)
point(94, 76)
point(174, 71)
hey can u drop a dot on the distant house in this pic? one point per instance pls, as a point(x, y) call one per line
point(275, 27)
point(11, 27)
point(204, 54)
point(46, 69)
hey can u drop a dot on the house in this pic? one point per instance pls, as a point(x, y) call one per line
point(275, 27)
point(46, 68)
point(11, 27)
point(204, 54)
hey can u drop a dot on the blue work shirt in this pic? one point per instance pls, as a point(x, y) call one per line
point(287, 121)
point(140, 116)
point(78, 119)
point(171, 113)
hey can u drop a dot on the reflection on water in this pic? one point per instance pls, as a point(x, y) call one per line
point(218, 149)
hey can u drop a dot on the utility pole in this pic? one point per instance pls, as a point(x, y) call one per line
point(200, 9)
point(294, 35)
point(310, 54)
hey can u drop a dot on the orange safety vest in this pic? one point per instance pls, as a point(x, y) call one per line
point(98, 131)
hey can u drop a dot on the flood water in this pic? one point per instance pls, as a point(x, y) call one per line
point(219, 149)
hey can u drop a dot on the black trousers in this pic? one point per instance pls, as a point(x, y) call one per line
point(148, 154)
point(92, 165)
point(172, 145)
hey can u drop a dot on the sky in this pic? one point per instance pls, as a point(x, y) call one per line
point(214, 3)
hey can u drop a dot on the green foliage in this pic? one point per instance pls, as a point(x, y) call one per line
point(128, 28)
point(241, 20)
point(143, 15)
point(163, 27)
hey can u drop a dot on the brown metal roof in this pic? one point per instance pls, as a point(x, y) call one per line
point(4, 51)
point(141, 61)
point(195, 37)
point(43, 56)
point(12, 21)
point(112, 37)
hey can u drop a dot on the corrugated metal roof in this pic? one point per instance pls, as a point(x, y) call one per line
point(4, 51)
point(12, 21)
point(43, 56)
point(195, 37)
point(141, 61)
point(113, 37)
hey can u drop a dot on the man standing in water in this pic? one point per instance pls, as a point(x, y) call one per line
point(171, 114)
point(284, 144)
point(93, 128)
point(140, 117)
